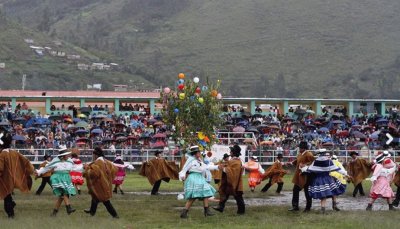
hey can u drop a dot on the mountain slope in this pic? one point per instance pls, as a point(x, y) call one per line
point(341, 49)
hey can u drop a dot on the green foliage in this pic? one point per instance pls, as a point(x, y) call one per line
point(193, 109)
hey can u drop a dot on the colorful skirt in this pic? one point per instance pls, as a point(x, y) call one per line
point(254, 178)
point(62, 184)
point(196, 187)
point(381, 188)
point(324, 186)
point(76, 178)
point(120, 176)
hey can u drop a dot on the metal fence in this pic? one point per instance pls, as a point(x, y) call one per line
point(137, 156)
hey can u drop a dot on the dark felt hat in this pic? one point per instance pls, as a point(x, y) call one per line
point(353, 153)
point(303, 145)
point(235, 150)
point(98, 151)
point(225, 156)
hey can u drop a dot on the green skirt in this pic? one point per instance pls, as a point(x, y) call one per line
point(62, 184)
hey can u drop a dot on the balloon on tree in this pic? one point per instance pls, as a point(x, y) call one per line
point(196, 119)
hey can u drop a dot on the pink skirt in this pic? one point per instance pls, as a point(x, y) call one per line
point(120, 176)
point(381, 188)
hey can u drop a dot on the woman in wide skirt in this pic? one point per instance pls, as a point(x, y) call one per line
point(196, 186)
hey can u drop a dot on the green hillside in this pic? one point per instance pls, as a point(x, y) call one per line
point(314, 48)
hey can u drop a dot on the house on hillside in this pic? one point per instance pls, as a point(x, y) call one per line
point(100, 66)
point(57, 53)
point(73, 57)
point(28, 40)
point(83, 66)
point(38, 50)
point(2, 65)
point(120, 87)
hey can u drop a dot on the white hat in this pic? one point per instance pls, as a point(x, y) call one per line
point(254, 158)
point(334, 157)
point(63, 151)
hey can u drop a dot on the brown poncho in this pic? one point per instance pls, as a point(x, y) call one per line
point(358, 170)
point(276, 172)
point(305, 158)
point(396, 179)
point(159, 169)
point(231, 181)
point(15, 172)
point(99, 176)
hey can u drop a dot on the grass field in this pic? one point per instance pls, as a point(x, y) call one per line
point(145, 211)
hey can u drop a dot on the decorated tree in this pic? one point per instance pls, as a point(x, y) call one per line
point(192, 111)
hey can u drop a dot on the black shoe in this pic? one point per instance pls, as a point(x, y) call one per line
point(116, 217)
point(369, 207)
point(240, 213)
point(122, 192)
point(54, 213)
point(69, 209)
point(79, 192)
point(87, 211)
point(395, 203)
point(391, 208)
point(207, 212)
point(184, 214)
point(220, 209)
point(294, 209)
point(307, 210)
point(155, 194)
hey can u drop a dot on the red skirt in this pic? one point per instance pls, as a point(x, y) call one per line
point(120, 176)
point(76, 178)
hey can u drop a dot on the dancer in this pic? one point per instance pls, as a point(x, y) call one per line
point(340, 176)
point(396, 181)
point(46, 176)
point(196, 186)
point(120, 176)
point(15, 172)
point(358, 169)
point(322, 185)
point(60, 179)
point(275, 174)
point(158, 169)
point(383, 174)
point(76, 172)
point(255, 172)
point(301, 180)
point(217, 174)
point(231, 181)
point(99, 175)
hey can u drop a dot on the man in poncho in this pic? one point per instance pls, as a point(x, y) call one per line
point(99, 176)
point(275, 174)
point(231, 181)
point(358, 169)
point(158, 169)
point(301, 180)
point(15, 172)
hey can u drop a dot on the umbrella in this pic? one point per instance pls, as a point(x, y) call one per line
point(19, 119)
point(75, 120)
point(121, 139)
point(55, 117)
point(158, 144)
point(41, 121)
point(158, 123)
point(81, 124)
point(310, 111)
point(273, 127)
point(159, 135)
point(106, 140)
point(252, 129)
point(246, 114)
point(323, 129)
point(343, 133)
point(97, 143)
point(256, 123)
point(151, 121)
point(121, 125)
point(375, 135)
point(68, 120)
point(31, 129)
point(356, 126)
point(81, 131)
point(287, 119)
point(238, 129)
point(97, 131)
point(81, 115)
point(358, 134)
point(248, 140)
point(382, 120)
point(4, 123)
point(243, 123)
point(337, 122)
point(311, 126)
point(266, 143)
point(99, 116)
point(19, 138)
point(108, 120)
point(257, 116)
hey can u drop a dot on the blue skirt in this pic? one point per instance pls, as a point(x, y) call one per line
point(196, 187)
point(324, 186)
